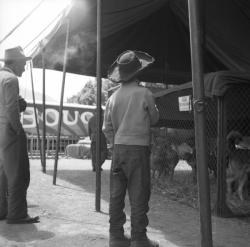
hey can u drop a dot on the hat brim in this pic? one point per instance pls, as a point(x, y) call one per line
point(15, 59)
point(115, 75)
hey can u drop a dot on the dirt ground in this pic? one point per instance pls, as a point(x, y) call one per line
point(68, 216)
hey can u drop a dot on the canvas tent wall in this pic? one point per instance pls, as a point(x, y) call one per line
point(159, 27)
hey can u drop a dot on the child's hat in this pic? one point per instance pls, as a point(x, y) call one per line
point(128, 64)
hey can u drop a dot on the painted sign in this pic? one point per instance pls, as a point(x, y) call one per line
point(75, 119)
point(185, 103)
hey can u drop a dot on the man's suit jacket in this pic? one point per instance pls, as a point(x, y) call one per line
point(92, 132)
point(9, 100)
point(14, 162)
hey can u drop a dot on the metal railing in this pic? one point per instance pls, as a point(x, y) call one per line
point(50, 145)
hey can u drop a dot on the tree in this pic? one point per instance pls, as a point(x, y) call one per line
point(87, 95)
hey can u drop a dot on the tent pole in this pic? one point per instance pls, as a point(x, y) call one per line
point(44, 115)
point(99, 105)
point(195, 13)
point(34, 105)
point(61, 103)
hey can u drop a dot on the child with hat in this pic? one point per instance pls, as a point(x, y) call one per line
point(129, 113)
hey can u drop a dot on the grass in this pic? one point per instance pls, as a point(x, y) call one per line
point(183, 190)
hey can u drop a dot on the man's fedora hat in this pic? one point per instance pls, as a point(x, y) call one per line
point(128, 64)
point(15, 53)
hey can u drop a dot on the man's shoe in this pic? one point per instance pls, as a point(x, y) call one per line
point(144, 243)
point(26, 220)
point(123, 241)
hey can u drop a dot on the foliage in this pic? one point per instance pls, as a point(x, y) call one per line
point(88, 94)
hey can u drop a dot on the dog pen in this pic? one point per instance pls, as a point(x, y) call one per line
point(227, 95)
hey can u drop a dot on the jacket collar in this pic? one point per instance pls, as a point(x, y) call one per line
point(7, 69)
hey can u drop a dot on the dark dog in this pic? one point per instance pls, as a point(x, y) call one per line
point(212, 160)
point(238, 164)
point(165, 157)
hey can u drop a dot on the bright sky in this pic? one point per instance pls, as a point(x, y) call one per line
point(73, 84)
point(11, 13)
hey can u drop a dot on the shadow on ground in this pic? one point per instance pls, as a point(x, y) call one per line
point(84, 179)
point(26, 233)
point(179, 225)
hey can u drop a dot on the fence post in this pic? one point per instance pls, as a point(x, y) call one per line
point(221, 209)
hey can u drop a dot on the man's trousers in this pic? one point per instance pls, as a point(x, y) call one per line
point(130, 171)
point(14, 173)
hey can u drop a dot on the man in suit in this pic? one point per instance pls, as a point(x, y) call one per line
point(92, 129)
point(14, 161)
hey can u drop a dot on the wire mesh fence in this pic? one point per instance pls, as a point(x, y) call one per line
point(238, 110)
point(174, 138)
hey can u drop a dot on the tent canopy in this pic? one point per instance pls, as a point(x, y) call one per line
point(159, 27)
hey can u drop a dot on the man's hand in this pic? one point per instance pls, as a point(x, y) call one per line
point(22, 104)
